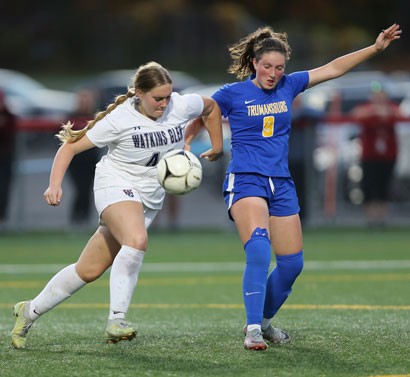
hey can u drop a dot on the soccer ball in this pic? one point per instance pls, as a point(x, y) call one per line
point(179, 172)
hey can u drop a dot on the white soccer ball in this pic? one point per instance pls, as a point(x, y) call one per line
point(179, 172)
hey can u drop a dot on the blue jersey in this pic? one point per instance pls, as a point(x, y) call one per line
point(260, 122)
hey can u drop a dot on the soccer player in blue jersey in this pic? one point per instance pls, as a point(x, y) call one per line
point(259, 192)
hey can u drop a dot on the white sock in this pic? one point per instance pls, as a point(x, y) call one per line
point(61, 286)
point(123, 280)
point(265, 323)
point(253, 327)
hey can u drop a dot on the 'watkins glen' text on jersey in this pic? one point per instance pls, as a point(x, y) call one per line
point(158, 138)
point(132, 138)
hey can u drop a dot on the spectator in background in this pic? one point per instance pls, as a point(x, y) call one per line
point(8, 129)
point(377, 118)
point(81, 169)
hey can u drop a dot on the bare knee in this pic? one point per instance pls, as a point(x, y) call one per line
point(89, 273)
point(137, 241)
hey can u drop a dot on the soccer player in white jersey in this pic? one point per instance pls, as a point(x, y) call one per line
point(138, 128)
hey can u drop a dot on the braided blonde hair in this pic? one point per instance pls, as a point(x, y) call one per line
point(253, 46)
point(147, 77)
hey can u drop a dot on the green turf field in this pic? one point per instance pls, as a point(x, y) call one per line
point(349, 314)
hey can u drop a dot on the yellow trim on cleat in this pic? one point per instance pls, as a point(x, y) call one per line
point(118, 330)
point(21, 327)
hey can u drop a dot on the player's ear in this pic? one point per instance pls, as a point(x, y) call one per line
point(138, 93)
point(255, 63)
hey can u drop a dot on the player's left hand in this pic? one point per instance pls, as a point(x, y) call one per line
point(387, 36)
point(211, 155)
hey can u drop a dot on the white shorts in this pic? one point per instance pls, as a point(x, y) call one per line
point(142, 185)
point(106, 196)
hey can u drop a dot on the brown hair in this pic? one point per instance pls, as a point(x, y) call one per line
point(147, 77)
point(253, 46)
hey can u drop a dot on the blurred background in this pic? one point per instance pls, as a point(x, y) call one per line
point(68, 59)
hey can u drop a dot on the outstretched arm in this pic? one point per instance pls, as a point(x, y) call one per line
point(62, 160)
point(345, 63)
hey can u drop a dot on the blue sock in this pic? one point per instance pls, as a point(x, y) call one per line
point(280, 281)
point(258, 257)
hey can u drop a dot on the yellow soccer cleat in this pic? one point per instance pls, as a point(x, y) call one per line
point(22, 325)
point(118, 330)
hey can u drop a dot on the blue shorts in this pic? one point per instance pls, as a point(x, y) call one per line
point(279, 192)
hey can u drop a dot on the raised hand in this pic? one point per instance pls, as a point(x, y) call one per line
point(387, 36)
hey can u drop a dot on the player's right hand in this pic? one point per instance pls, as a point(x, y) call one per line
point(53, 196)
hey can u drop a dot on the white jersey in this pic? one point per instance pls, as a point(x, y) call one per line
point(136, 144)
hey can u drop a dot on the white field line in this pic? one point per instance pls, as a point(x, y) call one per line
point(220, 267)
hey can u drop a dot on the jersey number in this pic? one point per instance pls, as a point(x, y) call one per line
point(268, 126)
point(153, 161)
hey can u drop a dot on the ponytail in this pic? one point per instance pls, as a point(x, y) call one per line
point(68, 135)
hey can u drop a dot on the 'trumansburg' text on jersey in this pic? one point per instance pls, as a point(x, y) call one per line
point(268, 112)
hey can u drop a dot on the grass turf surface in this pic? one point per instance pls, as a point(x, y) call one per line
point(348, 314)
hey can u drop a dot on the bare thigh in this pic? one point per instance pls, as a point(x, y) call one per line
point(98, 255)
point(286, 234)
point(126, 221)
point(250, 213)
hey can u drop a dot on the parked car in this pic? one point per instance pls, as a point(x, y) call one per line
point(109, 84)
point(341, 96)
point(405, 105)
point(351, 89)
point(402, 80)
point(201, 142)
point(29, 98)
